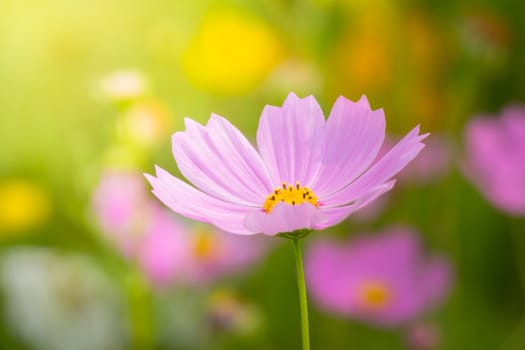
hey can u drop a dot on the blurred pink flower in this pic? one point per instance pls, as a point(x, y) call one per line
point(162, 252)
point(122, 209)
point(165, 248)
point(195, 255)
point(321, 169)
point(373, 210)
point(495, 158)
point(433, 163)
point(423, 336)
point(384, 279)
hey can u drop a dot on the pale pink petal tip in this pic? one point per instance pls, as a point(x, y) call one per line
point(197, 205)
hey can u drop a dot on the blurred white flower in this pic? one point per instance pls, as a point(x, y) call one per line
point(124, 85)
point(145, 123)
point(60, 302)
point(230, 312)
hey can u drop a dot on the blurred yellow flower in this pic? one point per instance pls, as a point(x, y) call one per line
point(23, 205)
point(145, 122)
point(232, 52)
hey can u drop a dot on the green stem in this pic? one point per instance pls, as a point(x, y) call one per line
point(518, 242)
point(139, 299)
point(302, 293)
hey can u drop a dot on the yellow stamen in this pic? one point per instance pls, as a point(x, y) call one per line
point(374, 295)
point(293, 195)
point(204, 246)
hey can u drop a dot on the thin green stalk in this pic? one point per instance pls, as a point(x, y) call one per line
point(516, 336)
point(517, 232)
point(139, 299)
point(303, 301)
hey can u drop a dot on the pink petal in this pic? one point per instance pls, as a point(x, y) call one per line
point(354, 134)
point(335, 215)
point(220, 161)
point(290, 139)
point(388, 166)
point(284, 218)
point(241, 153)
point(194, 204)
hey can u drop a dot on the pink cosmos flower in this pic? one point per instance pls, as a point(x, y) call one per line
point(495, 152)
point(308, 172)
point(165, 248)
point(383, 279)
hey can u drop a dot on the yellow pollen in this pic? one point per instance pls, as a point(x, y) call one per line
point(289, 194)
point(374, 295)
point(203, 246)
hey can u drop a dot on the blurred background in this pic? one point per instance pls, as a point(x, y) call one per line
point(91, 91)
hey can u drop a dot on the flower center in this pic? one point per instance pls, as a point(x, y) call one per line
point(289, 194)
point(203, 246)
point(374, 295)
